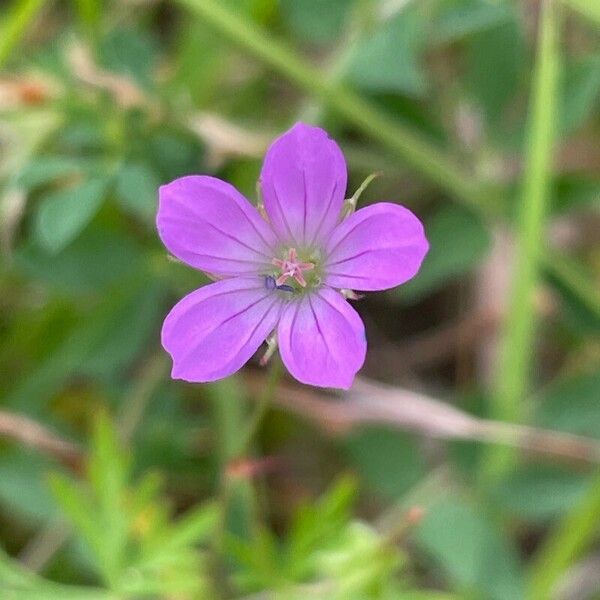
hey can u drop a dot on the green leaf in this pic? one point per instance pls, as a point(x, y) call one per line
point(22, 475)
point(457, 19)
point(581, 94)
point(458, 241)
point(191, 529)
point(472, 551)
point(17, 583)
point(388, 460)
point(137, 190)
point(108, 469)
point(79, 508)
point(98, 258)
point(96, 329)
point(503, 47)
point(172, 154)
point(43, 170)
point(579, 294)
point(540, 493)
point(315, 20)
point(62, 215)
point(572, 405)
point(125, 334)
point(395, 49)
point(131, 52)
point(575, 192)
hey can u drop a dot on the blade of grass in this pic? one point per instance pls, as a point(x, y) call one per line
point(405, 143)
point(517, 338)
point(587, 8)
point(565, 544)
point(16, 22)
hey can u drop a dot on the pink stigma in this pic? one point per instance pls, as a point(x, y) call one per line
point(290, 267)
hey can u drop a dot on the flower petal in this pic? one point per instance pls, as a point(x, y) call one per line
point(303, 182)
point(376, 248)
point(322, 339)
point(213, 331)
point(208, 224)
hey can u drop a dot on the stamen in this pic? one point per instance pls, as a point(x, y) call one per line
point(291, 267)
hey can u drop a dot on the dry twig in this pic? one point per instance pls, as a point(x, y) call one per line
point(373, 403)
point(26, 431)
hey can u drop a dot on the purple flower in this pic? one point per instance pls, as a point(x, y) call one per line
point(282, 273)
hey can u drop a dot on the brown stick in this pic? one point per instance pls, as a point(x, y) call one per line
point(26, 431)
point(373, 403)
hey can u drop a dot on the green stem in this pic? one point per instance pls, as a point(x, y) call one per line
point(405, 143)
point(565, 544)
point(262, 406)
point(19, 18)
point(238, 497)
point(517, 339)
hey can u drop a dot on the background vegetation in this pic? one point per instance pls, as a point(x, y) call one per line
point(466, 467)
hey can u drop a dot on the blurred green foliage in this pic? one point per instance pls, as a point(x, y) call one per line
point(103, 101)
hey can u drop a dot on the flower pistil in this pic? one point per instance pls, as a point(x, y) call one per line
point(290, 266)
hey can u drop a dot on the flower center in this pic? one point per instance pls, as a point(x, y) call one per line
point(290, 266)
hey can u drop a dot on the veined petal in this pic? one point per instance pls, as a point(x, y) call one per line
point(322, 339)
point(208, 224)
point(213, 331)
point(303, 182)
point(376, 248)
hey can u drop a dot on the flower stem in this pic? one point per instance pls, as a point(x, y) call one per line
point(262, 406)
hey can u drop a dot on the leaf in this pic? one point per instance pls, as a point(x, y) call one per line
point(576, 288)
point(80, 510)
point(19, 584)
point(98, 258)
point(540, 493)
point(388, 460)
point(460, 18)
point(502, 46)
point(125, 334)
point(92, 339)
point(173, 154)
point(43, 170)
point(137, 190)
point(458, 241)
point(316, 526)
point(108, 469)
point(191, 529)
point(581, 94)
point(62, 215)
point(22, 475)
point(572, 405)
point(395, 49)
point(315, 20)
point(472, 551)
point(131, 52)
point(575, 192)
